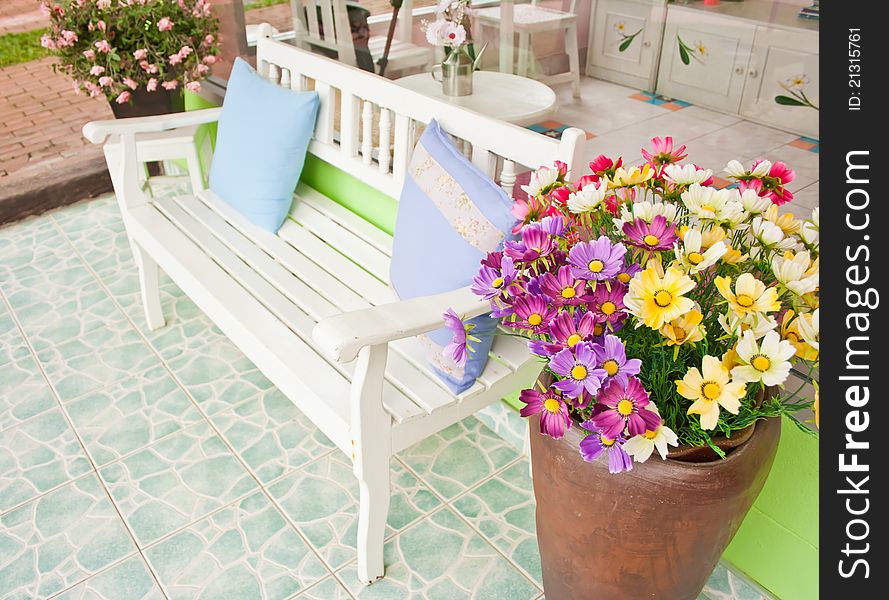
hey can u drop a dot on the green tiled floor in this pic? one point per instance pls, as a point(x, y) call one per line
point(149, 465)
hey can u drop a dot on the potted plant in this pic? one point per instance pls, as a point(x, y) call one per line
point(451, 31)
point(666, 314)
point(139, 54)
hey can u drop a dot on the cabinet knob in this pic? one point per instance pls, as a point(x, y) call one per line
point(753, 74)
point(646, 44)
point(739, 70)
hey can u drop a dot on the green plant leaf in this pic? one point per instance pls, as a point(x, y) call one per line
point(788, 101)
point(626, 43)
point(683, 54)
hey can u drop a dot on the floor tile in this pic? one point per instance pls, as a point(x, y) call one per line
point(131, 414)
point(176, 481)
point(247, 550)
point(219, 377)
point(505, 421)
point(59, 539)
point(329, 589)
point(127, 580)
point(12, 345)
point(24, 392)
point(457, 458)
point(503, 510)
point(31, 247)
point(271, 435)
point(441, 557)
point(322, 501)
point(36, 456)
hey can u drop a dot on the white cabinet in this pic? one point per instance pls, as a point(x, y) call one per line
point(781, 86)
point(704, 59)
point(624, 40)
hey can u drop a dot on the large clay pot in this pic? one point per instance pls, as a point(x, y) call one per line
point(655, 532)
point(144, 103)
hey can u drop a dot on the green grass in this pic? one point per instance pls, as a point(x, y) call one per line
point(254, 4)
point(21, 47)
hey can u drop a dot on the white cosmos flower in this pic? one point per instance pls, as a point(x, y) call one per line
point(686, 174)
point(710, 204)
point(589, 198)
point(791, 269)
point(815, 212)
point(646, 211)
point(808, 328)
point(642, 446)
point(809, 230)
point(769, 235)
point(768, 361)
point(735, 169)
point(753, 203)
point(541, 178)
point(762, 169)
point(691, 255)
point(758, 323)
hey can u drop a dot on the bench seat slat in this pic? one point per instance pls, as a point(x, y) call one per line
point(370, 233)
point(315, 366)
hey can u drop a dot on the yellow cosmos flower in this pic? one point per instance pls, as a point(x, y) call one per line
point(659, 299)
point(816, 406)
point(790, 332)
point(750, 294)
point(786, 222)
point(733, 256)
point(687, 329)
point(710, 388)
point(635, 176)
point(730, 359)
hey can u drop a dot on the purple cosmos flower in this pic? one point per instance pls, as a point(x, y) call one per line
point(553, 225)
point(535, 243)
point(579, 370)
point(597, 260)
point(459, 346)
point(532, 313)
point(658, 235)
point(623, 407)
point(563, 288)
point(566, 331)
point(554, 417)
point(628, 272)
point(593, 445)
point(608, 304)
point(612, 356)
point(492, 282)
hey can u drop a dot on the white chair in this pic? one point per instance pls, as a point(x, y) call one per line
point(526, 19)
point(334, 33)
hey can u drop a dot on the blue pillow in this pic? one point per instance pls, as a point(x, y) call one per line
point(450, 216)
point(261, 144)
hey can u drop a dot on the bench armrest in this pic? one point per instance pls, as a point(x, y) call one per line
point(98, 131)
point(343, 336)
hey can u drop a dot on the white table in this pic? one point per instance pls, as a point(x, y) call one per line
point(504, 96)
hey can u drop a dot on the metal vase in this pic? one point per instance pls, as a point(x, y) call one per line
point(455, 75)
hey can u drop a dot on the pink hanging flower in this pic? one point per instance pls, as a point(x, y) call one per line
point(174, 59)
point(106, 81)
point(130, 83)
point(140, 54)
point(47, 42)
point(103, 46)
point(96, 70)
point(148, 67)
point(210, 59)
point(203, 69)
point(170, 85)
point(151, 85)
point(209, 39)
point(123, 98)
point(89, 54)
point(69, 37)
point(165, 24)
point(193, 86)
point(184, 51)
point(103, 4)
point(100, 25)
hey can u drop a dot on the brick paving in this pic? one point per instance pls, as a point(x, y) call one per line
point(17, 16)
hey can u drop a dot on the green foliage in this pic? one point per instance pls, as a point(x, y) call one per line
point(17, 48)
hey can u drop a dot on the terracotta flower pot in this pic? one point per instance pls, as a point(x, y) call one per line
point(655, 532)
point(145, 103)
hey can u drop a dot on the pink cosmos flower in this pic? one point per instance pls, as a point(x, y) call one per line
point(554, 417)
point(602, 165)
point(193, 86)
point(106, 81)
point(624, 407)
point(140, 54)
point(96, 70)
point(560, 195)
point(782, 173)
point(184, 51)
point(663, 154)
point(69, 37)
point(170, 85)
point(151, 85)
point(165, 24)
point(123, 98)
point(103, 46)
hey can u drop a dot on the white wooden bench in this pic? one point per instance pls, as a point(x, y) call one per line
point(310, 305)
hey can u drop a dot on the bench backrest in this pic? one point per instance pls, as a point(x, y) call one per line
point(367, 125)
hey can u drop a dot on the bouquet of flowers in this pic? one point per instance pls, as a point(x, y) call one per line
point(664, 310)
point(113, 47)
point(451, 29)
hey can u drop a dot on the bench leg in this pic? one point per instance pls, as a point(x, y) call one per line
point(148, 282)
point(372, 514)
